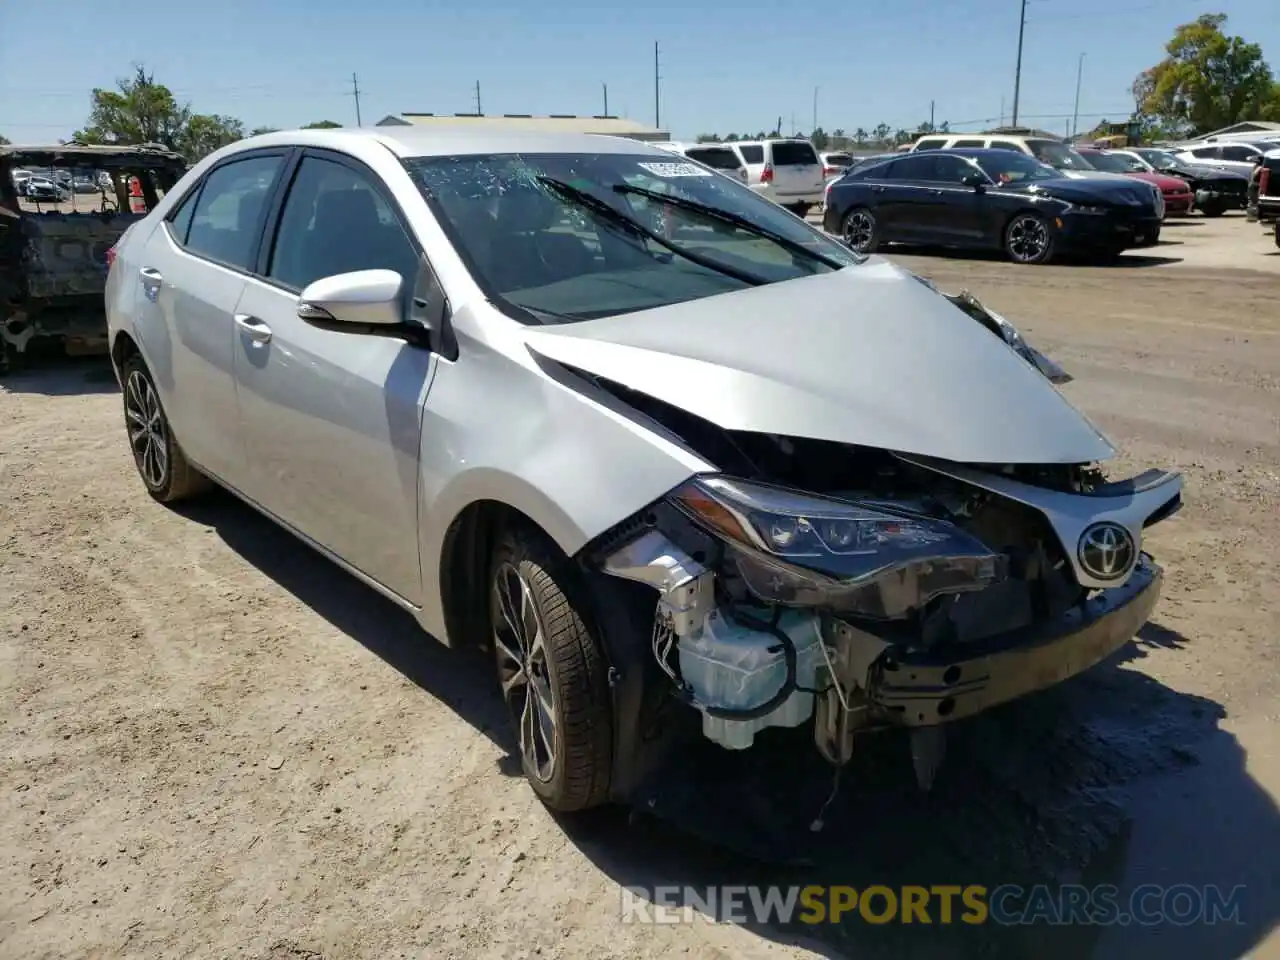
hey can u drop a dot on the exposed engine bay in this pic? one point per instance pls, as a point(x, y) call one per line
point(861, 589)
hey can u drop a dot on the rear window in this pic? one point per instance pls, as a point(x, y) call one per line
point(718, 158)
point(790, 153)
point(839, 159)
point(753, 153)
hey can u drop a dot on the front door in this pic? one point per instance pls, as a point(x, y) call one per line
point(332, 421)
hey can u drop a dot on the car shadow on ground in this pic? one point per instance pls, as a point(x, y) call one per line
point(463, 680)
point(1041, 791)
point(62, 376)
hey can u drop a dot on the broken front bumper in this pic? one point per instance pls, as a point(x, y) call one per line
point(931, 687)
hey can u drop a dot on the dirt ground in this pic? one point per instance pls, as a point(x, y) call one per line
point(215, 744)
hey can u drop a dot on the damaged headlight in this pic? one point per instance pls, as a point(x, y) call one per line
point(801, 550)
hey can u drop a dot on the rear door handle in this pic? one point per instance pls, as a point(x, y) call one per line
point(253, 328)
point(151, 281)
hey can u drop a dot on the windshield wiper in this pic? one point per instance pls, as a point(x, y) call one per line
point(603, 210)
point(725, 216)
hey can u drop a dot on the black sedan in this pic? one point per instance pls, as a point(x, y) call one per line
point(1217, 190)
point(989, 199)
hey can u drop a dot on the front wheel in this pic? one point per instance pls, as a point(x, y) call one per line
point(552, 671)
point(1028, 239)
point(860, 230)
point(1213, 208)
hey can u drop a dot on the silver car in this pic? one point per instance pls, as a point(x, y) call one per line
point(687, 466)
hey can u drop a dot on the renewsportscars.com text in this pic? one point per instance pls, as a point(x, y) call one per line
point(1009, 904)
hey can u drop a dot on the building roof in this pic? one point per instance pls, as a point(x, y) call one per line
point(554, 123)
point(1246, 126)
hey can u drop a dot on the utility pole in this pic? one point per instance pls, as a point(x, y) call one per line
point(815, 110)
point(1075, 114)
point(355, 92)
point(1002, 111)
point(657, 78)
point(605, 88)
point(1017, 74)
point(479, 110)
point(931, 126)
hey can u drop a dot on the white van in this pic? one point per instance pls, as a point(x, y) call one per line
point(717, 156)
point(788, 172)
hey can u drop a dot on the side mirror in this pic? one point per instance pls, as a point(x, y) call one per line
point(366, 301)
point(975, 180)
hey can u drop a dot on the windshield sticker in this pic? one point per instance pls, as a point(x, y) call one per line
point(668, 170)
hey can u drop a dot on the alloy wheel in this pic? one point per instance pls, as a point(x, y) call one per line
point(1028, 239)
point(520, 645)
point(859, 229)
point(148, 437)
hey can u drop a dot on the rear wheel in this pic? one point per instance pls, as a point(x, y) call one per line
point(161, 463)
point(1028, 239)
point(1213, 208)
point(801, 210)
point(860, 230)
point(552, 671)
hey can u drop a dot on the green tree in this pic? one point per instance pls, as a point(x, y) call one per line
point(881, 133)
point(819, 139)
point(3, 140)
point(205, 133)
point(140, 110)
point(258, 131)
point(1208, 80)
point(708, 138)
point(860, 136)
point(322, 125)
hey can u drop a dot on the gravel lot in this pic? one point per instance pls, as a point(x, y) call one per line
point(215, 744)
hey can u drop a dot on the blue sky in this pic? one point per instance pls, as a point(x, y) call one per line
point(725, 66)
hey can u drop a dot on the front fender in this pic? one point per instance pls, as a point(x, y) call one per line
point(507, 427)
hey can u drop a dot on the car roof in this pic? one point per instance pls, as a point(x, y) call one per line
point(446, 140)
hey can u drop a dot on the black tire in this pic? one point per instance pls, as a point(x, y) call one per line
point(162, 465)
point(1214, 208)
point(544, 592)
point(1028, 238)
point(801, 210)
point(860, 230)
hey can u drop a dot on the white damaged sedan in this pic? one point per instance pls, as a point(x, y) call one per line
point(663, 448)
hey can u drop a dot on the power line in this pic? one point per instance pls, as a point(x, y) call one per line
point(657, 78)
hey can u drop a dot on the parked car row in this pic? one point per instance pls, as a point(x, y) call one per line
point(1264, 193)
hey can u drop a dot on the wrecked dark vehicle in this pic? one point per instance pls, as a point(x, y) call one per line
point(54, 240)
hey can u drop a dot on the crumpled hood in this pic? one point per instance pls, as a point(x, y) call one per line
point(865, 355)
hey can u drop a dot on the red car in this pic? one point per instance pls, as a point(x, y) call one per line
point(1178, 196)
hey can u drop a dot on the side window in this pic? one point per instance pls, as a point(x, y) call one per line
point(951, 169)
point(180, 219)
point(1238, 153)
point(931, 143)
point(1205, 153)
point(334, 221)
point(913, 168)
point(752, 153)
point(225, 220)
point(967, 143)
point(1006, 145)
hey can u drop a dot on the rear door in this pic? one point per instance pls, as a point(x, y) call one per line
point(901, 197)
point(797, 171)
point(190, 274)
point(752, 155)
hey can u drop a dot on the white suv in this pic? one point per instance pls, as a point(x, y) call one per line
point(788, 172)
point(717, 156)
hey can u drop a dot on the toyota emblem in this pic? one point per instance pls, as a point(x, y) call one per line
point(1107, 551)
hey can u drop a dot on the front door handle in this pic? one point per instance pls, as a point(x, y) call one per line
point(253, 328)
